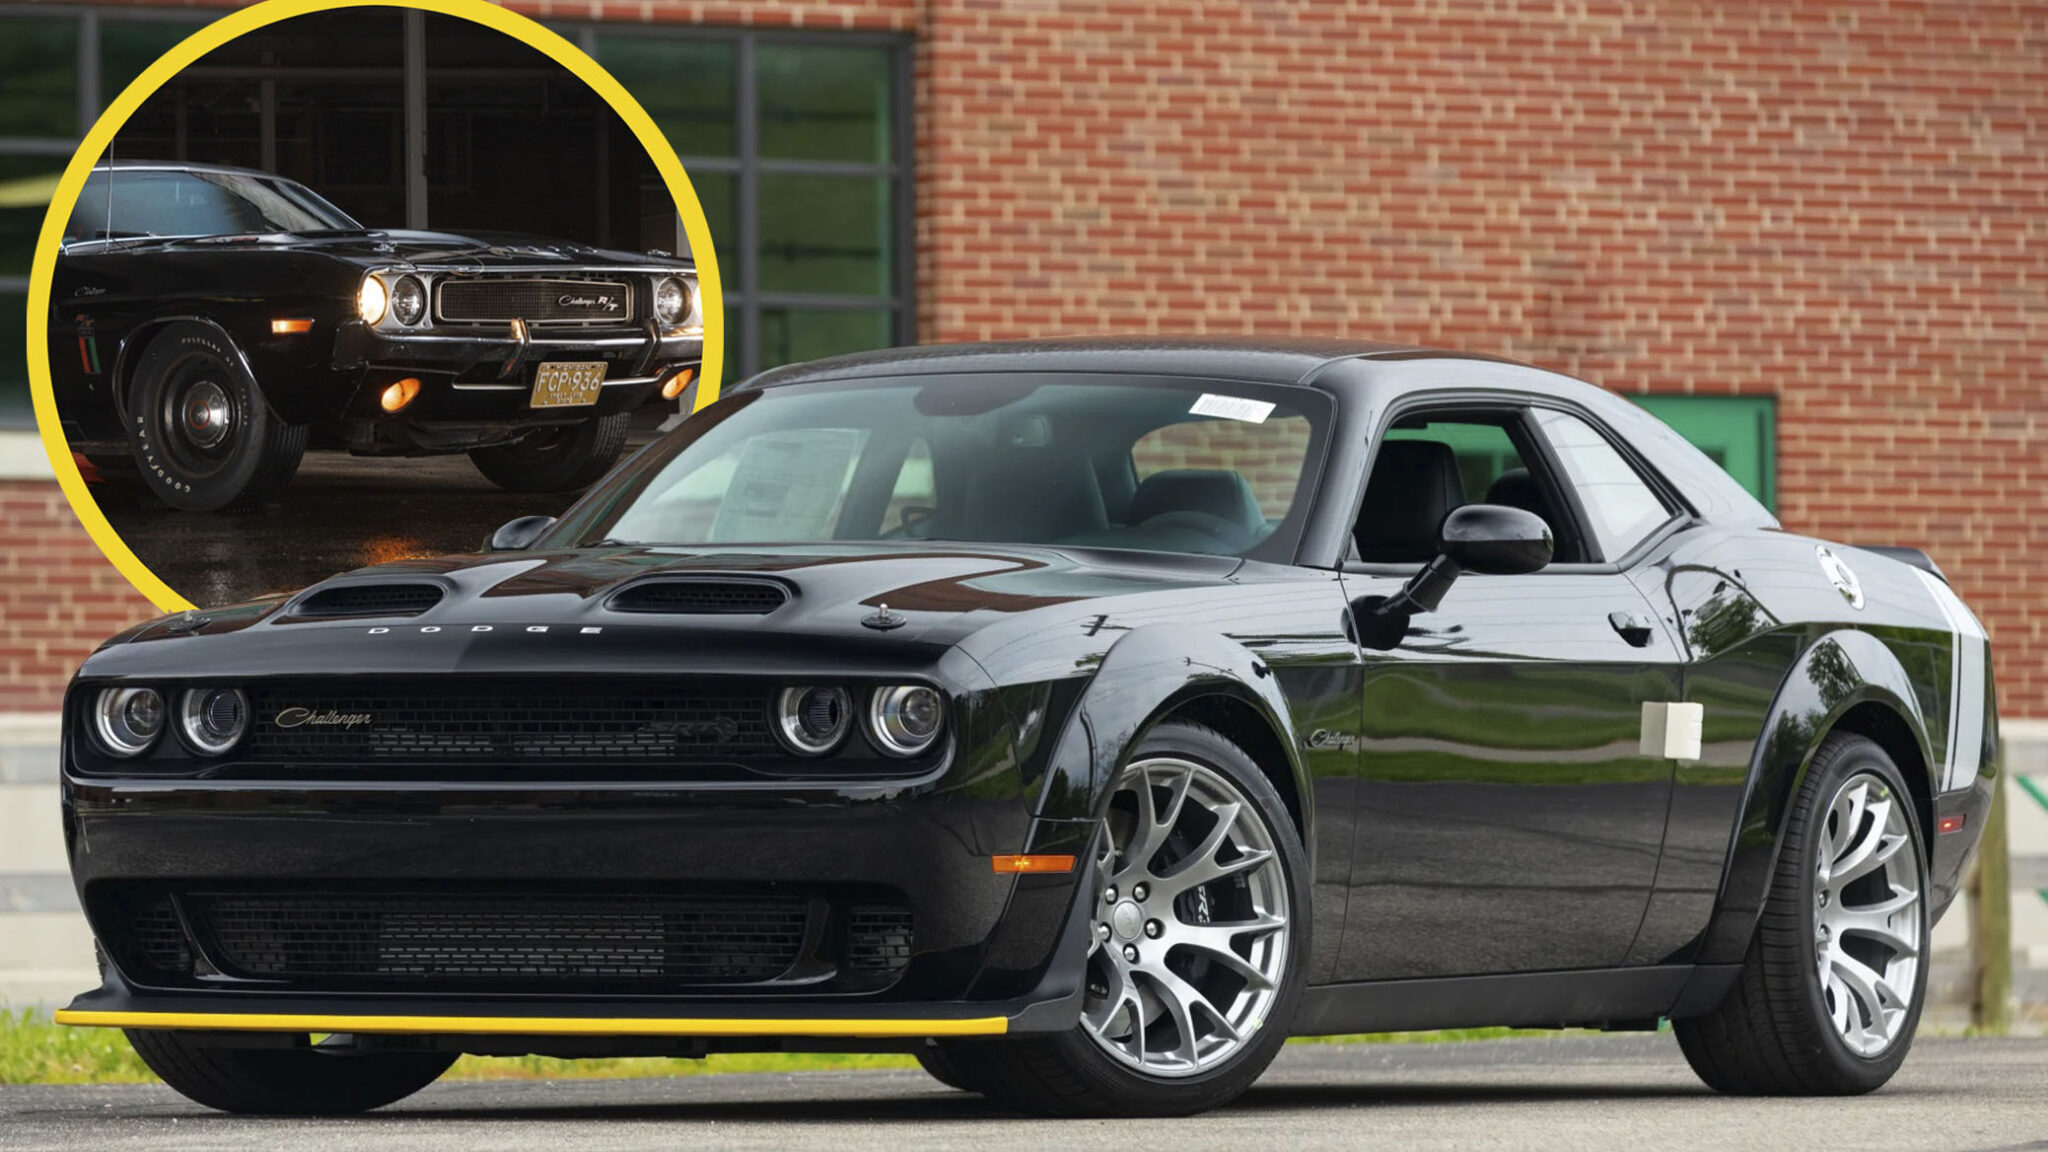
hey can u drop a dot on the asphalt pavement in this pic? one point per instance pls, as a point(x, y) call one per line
point(1623, 1091)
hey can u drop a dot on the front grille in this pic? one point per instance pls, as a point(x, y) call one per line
point(507, 722)
point(498, 300)
point(686, 596)
point(469, 939)
point(508, 938)
point(370, 600)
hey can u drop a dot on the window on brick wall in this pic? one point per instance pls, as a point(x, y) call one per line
point(798, 148)
point(58, 68)
point(1740, 433)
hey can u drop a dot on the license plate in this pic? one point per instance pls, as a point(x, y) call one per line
point(567, 385)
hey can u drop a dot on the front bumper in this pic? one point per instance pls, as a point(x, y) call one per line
point(989, 954)
point(477, 386)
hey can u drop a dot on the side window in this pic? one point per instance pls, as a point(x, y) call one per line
point(1620, 508)
point(1428, 465)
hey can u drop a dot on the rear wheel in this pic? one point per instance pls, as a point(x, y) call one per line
point(555, 459)
point(1200, 925)
point(308, 1081)
point(203, 436)
point(1831, 990)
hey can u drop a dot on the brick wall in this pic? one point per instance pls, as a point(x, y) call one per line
point(58, 596)
point(1844, 204)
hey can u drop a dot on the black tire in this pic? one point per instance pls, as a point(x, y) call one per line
point(1070, 1074)
point(202, 434)
point(943, 1069)
point(555, 459)
point(1773, 1034)
point(285, 1081)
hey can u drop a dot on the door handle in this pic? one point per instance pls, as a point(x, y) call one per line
point(1638, 628)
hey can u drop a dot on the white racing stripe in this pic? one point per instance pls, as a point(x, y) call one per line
point(1966, 685)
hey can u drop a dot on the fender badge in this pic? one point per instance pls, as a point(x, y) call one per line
point(883, 620)
point(1840, 575)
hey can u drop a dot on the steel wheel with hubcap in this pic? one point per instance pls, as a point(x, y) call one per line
point(1197, 933)
point(202, 434)
point(1831, 990)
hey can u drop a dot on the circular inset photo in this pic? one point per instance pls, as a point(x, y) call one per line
point(360, 284)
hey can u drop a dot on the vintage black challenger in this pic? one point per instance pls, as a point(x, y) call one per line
point(207, 322)
point(1085, 718)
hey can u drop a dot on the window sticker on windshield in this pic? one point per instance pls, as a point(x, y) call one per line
point(788, 485)
point(1232, 408)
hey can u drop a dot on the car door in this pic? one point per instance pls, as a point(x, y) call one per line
point(1508, 818)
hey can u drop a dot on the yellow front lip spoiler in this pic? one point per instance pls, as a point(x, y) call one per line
point(537, 1025)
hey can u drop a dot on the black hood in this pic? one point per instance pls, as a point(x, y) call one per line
point(437, 250)
point(532, 610)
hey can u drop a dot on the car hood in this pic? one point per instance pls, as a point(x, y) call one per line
point(446, 251)
point(542, 611)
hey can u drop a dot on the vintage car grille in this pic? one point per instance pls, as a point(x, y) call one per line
point(536, 300)
point(506, 721)
point(504, 941)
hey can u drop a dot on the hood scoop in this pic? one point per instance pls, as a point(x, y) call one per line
point(700, 596)
point(369, 600)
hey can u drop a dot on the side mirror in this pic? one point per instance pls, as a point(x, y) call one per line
point(518, 535)
point(1491, 539)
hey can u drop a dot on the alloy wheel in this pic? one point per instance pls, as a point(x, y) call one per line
point(1191, 924)
point(1867, 919)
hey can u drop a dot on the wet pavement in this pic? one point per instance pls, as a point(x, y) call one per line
point(340, 512)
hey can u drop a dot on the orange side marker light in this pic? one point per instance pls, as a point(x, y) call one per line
point(1022, 864)
point(290, 327)
point(1952, 823)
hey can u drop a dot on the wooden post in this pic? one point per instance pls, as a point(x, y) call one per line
point(1991, 924)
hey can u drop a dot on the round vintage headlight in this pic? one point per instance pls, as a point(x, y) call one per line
point(128, 720)
point(371, 299)
point(905, 719)
point(408, 300)
point(671, 300)
point(812, 721)
point(212, 720)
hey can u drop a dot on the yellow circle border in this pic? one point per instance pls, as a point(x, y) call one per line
point(214, 35)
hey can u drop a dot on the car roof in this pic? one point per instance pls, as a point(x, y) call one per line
point(1258, 359)
point(120, 165)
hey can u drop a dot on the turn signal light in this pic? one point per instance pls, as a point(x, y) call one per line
point(677, 383)
point(290, 327)
point(1952, 823)
point(1019, 864)
point(400, 394)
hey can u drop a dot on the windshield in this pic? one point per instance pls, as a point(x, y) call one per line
point(164, 202)
point(1164, 466)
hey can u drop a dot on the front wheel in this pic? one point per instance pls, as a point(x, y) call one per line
point(1200, 926)
point(203, 436)
point(1831, 989)
point(305, 1081)
point(555, 459)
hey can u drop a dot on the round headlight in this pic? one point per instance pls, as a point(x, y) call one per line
point(128, 720)
point(212, 720)
point(812, 721)
point(408, 300)
point(671, 300)
point(905, 719)
point(371, 299)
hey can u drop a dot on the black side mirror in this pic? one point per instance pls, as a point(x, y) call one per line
point(518, 535)
point(1491, 539)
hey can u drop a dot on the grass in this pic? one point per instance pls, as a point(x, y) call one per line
point(36, 1050)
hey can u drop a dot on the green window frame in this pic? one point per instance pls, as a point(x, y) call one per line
point(1740, 433)
point(59, 68)
point(799, 146)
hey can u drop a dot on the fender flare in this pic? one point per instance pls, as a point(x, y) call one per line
point(1143, 677)
point(142, 336)
point(1836, 673)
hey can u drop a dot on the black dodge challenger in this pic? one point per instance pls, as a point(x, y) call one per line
point(1085, 718)
point(207, 322)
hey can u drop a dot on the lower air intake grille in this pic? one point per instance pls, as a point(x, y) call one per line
point(878, 939)
point(481, 940)
point(560, 720)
